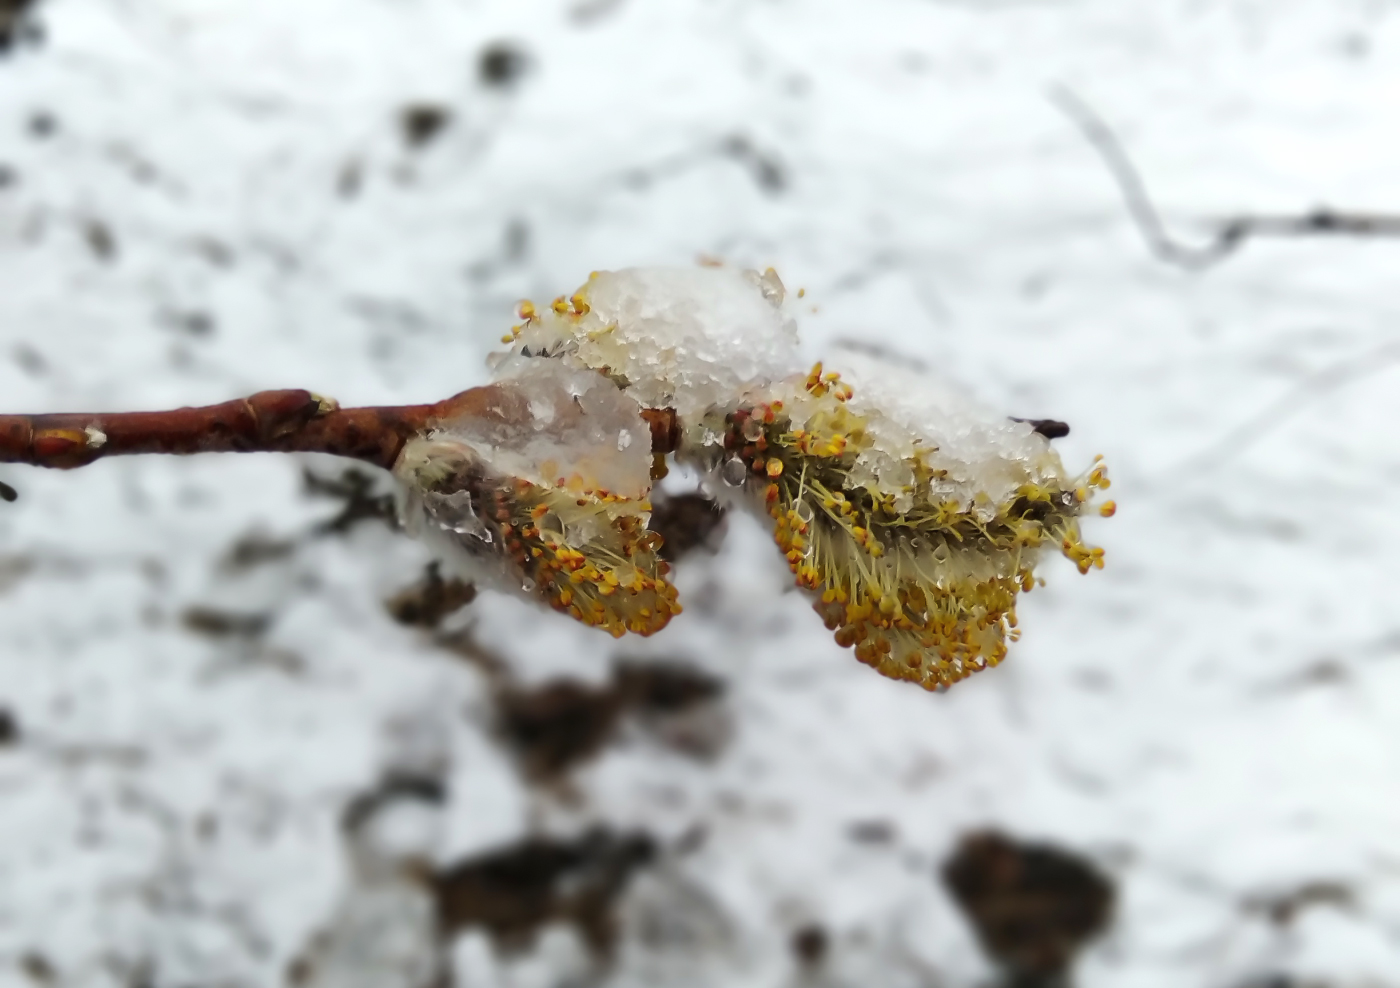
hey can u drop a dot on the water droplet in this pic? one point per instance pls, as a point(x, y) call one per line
point(772, 287)
point(733, 472)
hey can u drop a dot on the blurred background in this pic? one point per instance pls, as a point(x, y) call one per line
point(250, 737)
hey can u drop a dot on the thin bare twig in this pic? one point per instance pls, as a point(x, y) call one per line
point(1230, 233)
point(267, 422)
point(1326, 381)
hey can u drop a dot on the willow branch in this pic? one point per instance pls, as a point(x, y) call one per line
point(292, 421)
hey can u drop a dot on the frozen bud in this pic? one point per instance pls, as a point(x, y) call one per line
point(546, 494)
point(680, 338)
point(913, 515)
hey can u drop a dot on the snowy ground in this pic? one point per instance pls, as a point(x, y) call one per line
point(207, 198)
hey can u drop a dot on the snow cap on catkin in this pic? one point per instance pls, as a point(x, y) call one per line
point(681, 338)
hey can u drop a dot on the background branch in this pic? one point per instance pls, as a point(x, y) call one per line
point(1231, 233)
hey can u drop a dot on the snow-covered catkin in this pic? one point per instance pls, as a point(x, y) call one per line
point(912, 514)
point(913, 532)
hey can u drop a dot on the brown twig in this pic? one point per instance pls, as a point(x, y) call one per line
point(293, 421)
point(1230, 233)
point(267, 422)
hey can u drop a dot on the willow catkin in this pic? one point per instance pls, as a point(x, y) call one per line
point(912, 514)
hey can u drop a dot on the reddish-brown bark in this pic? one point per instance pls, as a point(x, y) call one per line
point(266, 422)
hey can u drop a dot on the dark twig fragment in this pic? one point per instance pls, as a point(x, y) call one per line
point(1049, 428)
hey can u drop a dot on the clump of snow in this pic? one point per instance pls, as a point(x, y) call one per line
point(975, 452)
point(682, 338)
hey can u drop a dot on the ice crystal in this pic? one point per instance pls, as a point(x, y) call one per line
point(548, 420)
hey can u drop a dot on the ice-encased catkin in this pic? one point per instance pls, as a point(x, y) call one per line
point(546, 494)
